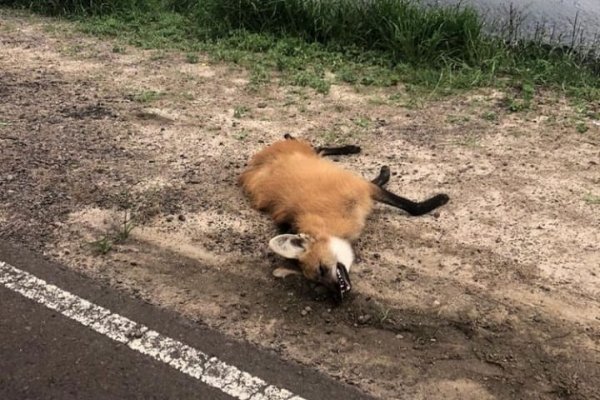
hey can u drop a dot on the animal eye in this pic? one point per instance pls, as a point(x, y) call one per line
point(322, 270)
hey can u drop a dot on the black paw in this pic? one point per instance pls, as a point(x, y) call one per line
point(385, 172)
point(287, 136)
point(441, 199)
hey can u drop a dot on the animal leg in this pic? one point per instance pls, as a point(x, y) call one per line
point(338, 151)
point(331, 151)
point(383, 178)
point(412, 207)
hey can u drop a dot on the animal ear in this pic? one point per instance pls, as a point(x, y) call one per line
point(289, 246)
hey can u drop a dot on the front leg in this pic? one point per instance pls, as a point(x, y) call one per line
point(331, 151)
point(338, 151)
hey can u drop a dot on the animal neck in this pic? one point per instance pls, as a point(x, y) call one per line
point(313, 225)
point(342, 250)
point(316, 227)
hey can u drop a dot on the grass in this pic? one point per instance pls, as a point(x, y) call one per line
point(434, 50)
point(240, 111)
point(591, 199)
point(120, 235)
point(362, 122)
point(581, 127)
point(490, 116)
point(192, 58)
point(102, 245)
point(146, 96)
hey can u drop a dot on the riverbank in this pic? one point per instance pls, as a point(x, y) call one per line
point(436, 50)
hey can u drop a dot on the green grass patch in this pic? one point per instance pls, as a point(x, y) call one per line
point(313, 43)
point(240, 111)
point(192, 58)
point(146, 96)
point(581, 127)
point(490, 116)
point(591, 199)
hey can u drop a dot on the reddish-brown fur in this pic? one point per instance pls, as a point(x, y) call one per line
point(291, 182)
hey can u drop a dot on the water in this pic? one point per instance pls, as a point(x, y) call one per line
point(572, 22)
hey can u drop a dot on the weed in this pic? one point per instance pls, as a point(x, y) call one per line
point(362, 122)
point(521, 101)
point(457, 119)
point(384, 314)
point(377, 101)
point(591, 199)
point(310, 79)
point(259, 76)
point(490, 116)
point(118, 235)
point(158, 55)
point(125, 229)
point(468, 141)
point(240, 111)
point(581, 127)
point(146, 96)
point(192, 58)
point(188, 96)
point(102, 245)
point(329, 136)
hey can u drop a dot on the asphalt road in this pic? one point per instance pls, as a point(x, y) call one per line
point(44, 354)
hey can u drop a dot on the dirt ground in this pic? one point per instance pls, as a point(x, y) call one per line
point(496, 296)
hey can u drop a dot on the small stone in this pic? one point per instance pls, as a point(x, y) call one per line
point(243, 294)
point(169, 218)
point(363, 319)
point(436, 303)
point(261, 105)
point(307, 309)
point(304, 313)
point(181, 217)
point(436, 214)
point(399, 336)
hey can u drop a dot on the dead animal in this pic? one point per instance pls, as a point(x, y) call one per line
point(323, 206)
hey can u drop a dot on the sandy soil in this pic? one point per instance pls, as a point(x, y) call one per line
point(496, 296)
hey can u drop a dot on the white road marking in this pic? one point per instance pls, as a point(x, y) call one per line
point(188, 360)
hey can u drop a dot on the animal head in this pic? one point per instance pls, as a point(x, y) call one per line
point(325, 260)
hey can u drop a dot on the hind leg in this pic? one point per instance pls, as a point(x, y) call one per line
point(383, 178)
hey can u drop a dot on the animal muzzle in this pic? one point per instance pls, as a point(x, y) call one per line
point(343, 284)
